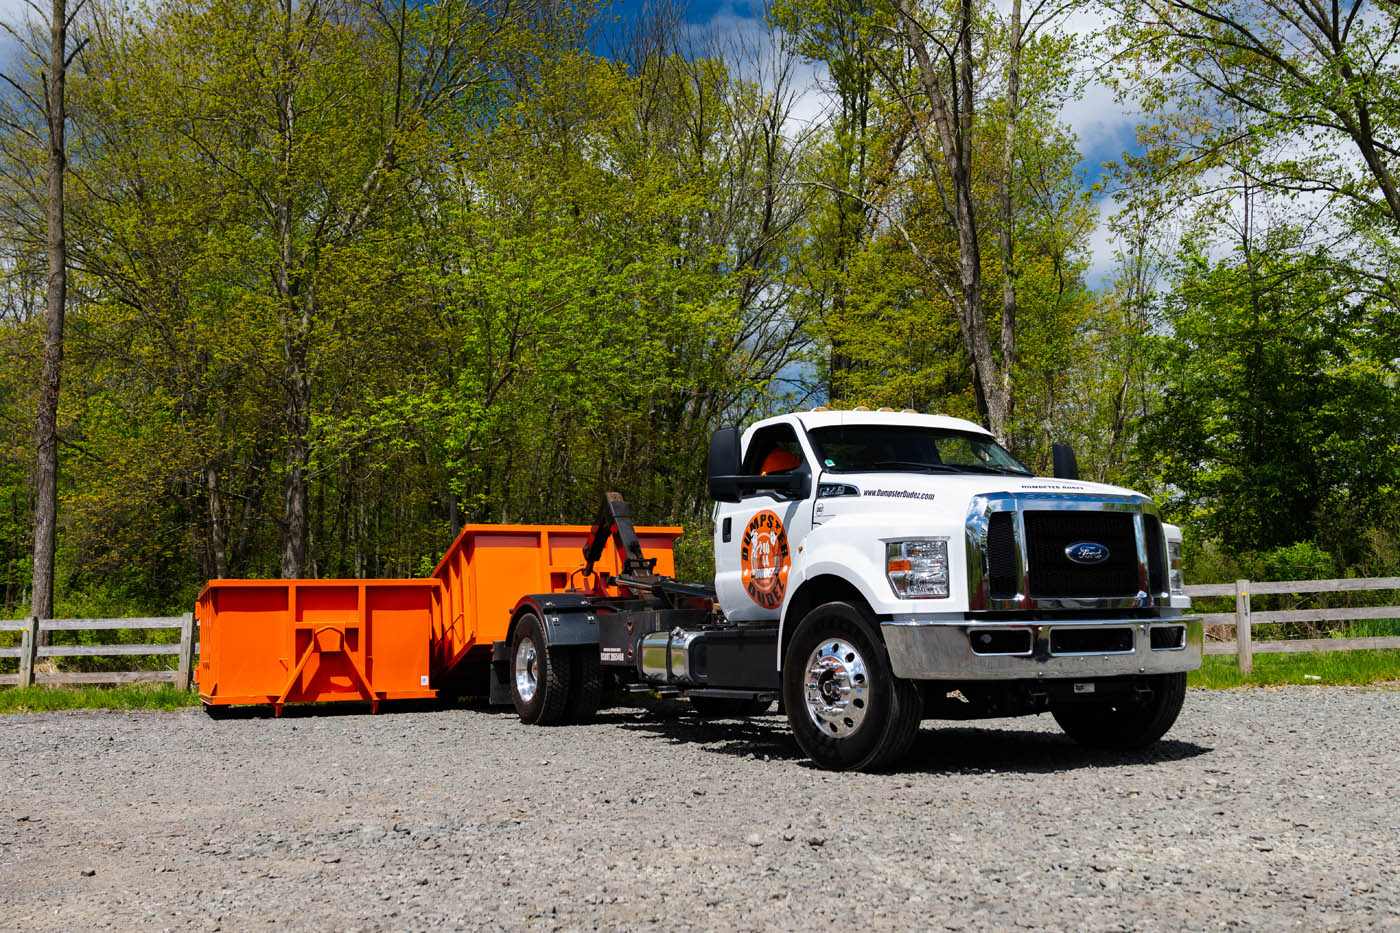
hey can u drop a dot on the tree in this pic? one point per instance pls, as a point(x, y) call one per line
point(950, 86)
point(309, 120)
point(1277, 423)
point(560, 276)
point(49, 101)
point(1288, 85)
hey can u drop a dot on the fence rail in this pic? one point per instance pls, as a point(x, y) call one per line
point(1244, 618)
point(30, 651)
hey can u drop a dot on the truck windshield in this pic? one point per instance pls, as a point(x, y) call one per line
point(863, 448)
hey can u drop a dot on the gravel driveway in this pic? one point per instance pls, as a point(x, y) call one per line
point(1262, 808)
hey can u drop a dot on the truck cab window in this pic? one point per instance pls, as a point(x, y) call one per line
point(774, 450)
point(877, 448)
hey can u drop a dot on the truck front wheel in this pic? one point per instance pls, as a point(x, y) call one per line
point(1127, 724)
point(539, 674)
point(847, 709)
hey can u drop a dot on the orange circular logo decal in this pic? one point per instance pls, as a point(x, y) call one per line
point(764, 560)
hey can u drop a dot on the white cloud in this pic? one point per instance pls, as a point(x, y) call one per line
point(755, 51)
point(1105, 126)
point(1102, 262)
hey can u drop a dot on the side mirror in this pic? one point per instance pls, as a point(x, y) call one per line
point(726, 482)
point(723, 465)
point(1066, 465)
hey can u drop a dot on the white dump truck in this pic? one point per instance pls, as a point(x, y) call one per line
point(875, 569)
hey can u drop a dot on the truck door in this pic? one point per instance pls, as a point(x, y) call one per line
point(757, 537)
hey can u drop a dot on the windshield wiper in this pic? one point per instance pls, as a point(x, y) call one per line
point(980, 468)
point(917, 465)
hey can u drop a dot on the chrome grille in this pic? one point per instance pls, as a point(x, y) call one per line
point(1050, 572)
point(1016, 548)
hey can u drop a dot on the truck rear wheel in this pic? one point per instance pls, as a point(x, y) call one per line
point(847, 709)
point(539, 674)
point(585, 684)
point(1126, 725)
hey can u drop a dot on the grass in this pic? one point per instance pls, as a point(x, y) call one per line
point(1222, 672)
point(126, 696)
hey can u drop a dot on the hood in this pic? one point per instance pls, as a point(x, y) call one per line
point(945, 495)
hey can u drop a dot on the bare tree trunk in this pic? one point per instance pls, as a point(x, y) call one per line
point(295, 322)
point(46, 419)
point(1007, 241)
point(297, 458)
point(454, 515)
point(218, 545)
point(952, 111)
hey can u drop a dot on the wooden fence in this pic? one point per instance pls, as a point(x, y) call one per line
point(30, 651)
point(1244, 619)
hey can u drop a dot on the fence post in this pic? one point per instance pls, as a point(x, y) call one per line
point(1244, 636)
point(28, 651)
point(182, 679)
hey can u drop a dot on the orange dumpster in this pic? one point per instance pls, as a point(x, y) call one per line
point(489, 567)
point(292, 641)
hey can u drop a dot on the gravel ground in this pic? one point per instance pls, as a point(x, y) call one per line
point(1261, 809)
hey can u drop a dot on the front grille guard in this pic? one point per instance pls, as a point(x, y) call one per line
point(979, 521)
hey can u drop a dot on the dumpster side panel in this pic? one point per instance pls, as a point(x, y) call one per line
point(400, 631)
point(327, 641)
point(489, 567)
point(289, 641)
point(503, 562)
point(250, 639)
point(659, 543)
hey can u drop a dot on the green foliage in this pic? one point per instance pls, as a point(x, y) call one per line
point(127, 696)
point(1277, 424)
point(695, 550)
point(346, 281)
point(1299, 103)
point(372, 280)
point(882, 277)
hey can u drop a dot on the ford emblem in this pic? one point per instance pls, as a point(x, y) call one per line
point(1087, 553)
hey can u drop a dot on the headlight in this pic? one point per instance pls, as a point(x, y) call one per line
point(1178, 580)
point(918, 569)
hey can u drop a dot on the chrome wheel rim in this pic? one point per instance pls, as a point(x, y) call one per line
point(837, 688)
point(526, 669)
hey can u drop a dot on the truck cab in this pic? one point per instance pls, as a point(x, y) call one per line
point(972, 570)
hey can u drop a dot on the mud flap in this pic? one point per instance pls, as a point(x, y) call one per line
point(500, 674)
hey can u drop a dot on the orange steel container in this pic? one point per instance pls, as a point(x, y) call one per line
point(489, 567)
point(292, 641)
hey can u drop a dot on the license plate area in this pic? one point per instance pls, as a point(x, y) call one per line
point(1091, 640)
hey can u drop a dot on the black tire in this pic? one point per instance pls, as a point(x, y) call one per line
point(1125, 725)
point(585, 684)
point(872, 717)
point(729, 707)
point(540, 671)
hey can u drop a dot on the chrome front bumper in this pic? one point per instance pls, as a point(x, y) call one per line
point(944, 650)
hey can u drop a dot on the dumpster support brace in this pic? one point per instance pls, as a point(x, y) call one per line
point(315, 647)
